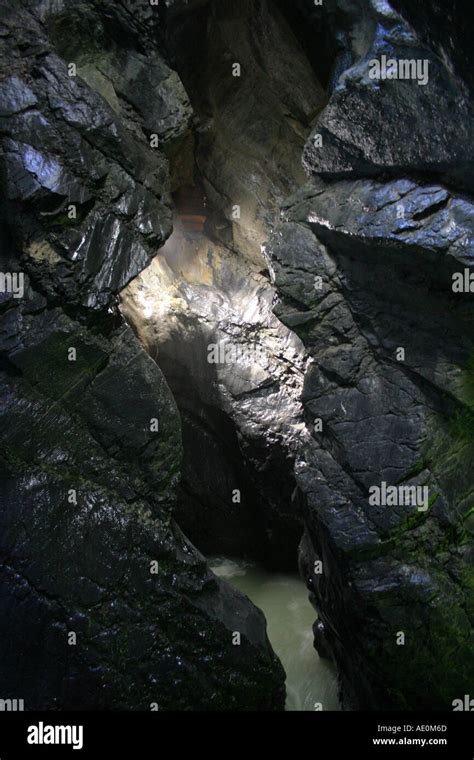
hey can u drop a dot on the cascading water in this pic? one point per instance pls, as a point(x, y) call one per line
point(311, 682)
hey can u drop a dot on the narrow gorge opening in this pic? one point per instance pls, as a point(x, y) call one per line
point(312, 313)
point(203, 310)
point(238, 500)
point(311, 681)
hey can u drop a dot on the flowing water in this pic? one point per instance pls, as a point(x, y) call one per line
point(283, 598)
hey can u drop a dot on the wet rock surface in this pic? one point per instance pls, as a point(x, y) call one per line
point(252, 121)
point(348, 195)
point(105, 604)
point(365, 270)
point(242, 418)
point(237, 375)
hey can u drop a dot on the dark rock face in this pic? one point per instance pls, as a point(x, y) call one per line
point(431, 19)
point(252, 121)
point(366, 380)
point(365, 271)
point(403, 142)
point(242, 421)
point(104, 602)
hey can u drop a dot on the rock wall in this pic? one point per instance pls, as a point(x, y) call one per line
point(242, 419)
point(350, 195)
point(364, 263)
point(236, 372)
point(104, 602)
